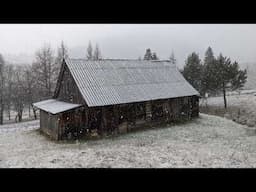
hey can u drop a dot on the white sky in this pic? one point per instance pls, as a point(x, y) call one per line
point(237, 41)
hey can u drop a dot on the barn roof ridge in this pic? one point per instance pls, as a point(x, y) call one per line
point(122, 81)
point(121, 59)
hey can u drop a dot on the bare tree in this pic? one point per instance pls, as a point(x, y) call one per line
point(2, 64)
point(19, 98)
point(9, 88)
point(31, 89)
point(44, 71)
point(62, 53)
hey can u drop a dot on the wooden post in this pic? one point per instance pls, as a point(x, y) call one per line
point(148, 111)
point(103, 120)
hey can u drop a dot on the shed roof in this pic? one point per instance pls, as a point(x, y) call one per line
point(108, 82)
point(54, 106)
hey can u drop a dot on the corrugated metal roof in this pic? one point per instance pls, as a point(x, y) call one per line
point(107, 82)
point(54, 106)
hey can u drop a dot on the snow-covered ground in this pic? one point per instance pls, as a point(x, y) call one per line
point(241, 108)
point(208, 141)
point(23, 126)
point(26, 116)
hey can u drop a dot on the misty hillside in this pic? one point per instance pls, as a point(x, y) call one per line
point(19, 58)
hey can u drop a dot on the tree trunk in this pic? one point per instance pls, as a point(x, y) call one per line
point(224, 96)
point(1, 113)
point(29, 111)
point(9, 112)
point(20, 116)
point(34, 111)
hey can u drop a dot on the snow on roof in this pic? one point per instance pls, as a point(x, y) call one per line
point(117, 81)
point(54, 106)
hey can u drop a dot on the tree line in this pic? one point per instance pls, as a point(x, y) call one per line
point(214, 75)
point(149, 55)
point(22, 85)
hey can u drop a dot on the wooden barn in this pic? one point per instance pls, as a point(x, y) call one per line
point(114, 96)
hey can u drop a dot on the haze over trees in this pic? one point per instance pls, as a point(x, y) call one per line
point(22, 85)
point(97, 53)
point(93, 54)
point(192, 71)
point(2, 65)
point(215, 75)
point(150, 56)
point(89, 54)
point(172, 58)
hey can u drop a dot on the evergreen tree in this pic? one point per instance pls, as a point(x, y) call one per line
point(193, 71)
point(228, 76)
point(208, 75)
point(240, 77)
point(173, 59)
point(89, 54)
point(154, 57)
point(97, 53)
point(148, 55)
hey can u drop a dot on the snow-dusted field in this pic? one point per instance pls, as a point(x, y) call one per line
point(241, 108)
point(208, 141)
point(26, 116)
point(23, 126)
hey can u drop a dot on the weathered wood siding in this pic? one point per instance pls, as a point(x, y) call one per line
point(67, 88)
point(117, 119)
point(49, 124)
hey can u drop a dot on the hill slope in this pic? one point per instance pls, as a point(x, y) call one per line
point(208, 141)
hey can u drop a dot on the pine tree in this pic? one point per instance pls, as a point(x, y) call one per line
point(228, 76)
point(240, 77)
point(193, 71)
point(148, 55)
point(208, 77)
point(89, 54)
point(154, 56)
point(97, 53)
point(173, 59)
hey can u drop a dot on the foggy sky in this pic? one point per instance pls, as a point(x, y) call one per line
point(237, 41)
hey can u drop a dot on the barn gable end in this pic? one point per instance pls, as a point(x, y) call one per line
point(66, 88)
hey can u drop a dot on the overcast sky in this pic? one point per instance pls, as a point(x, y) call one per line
point(237, 41)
